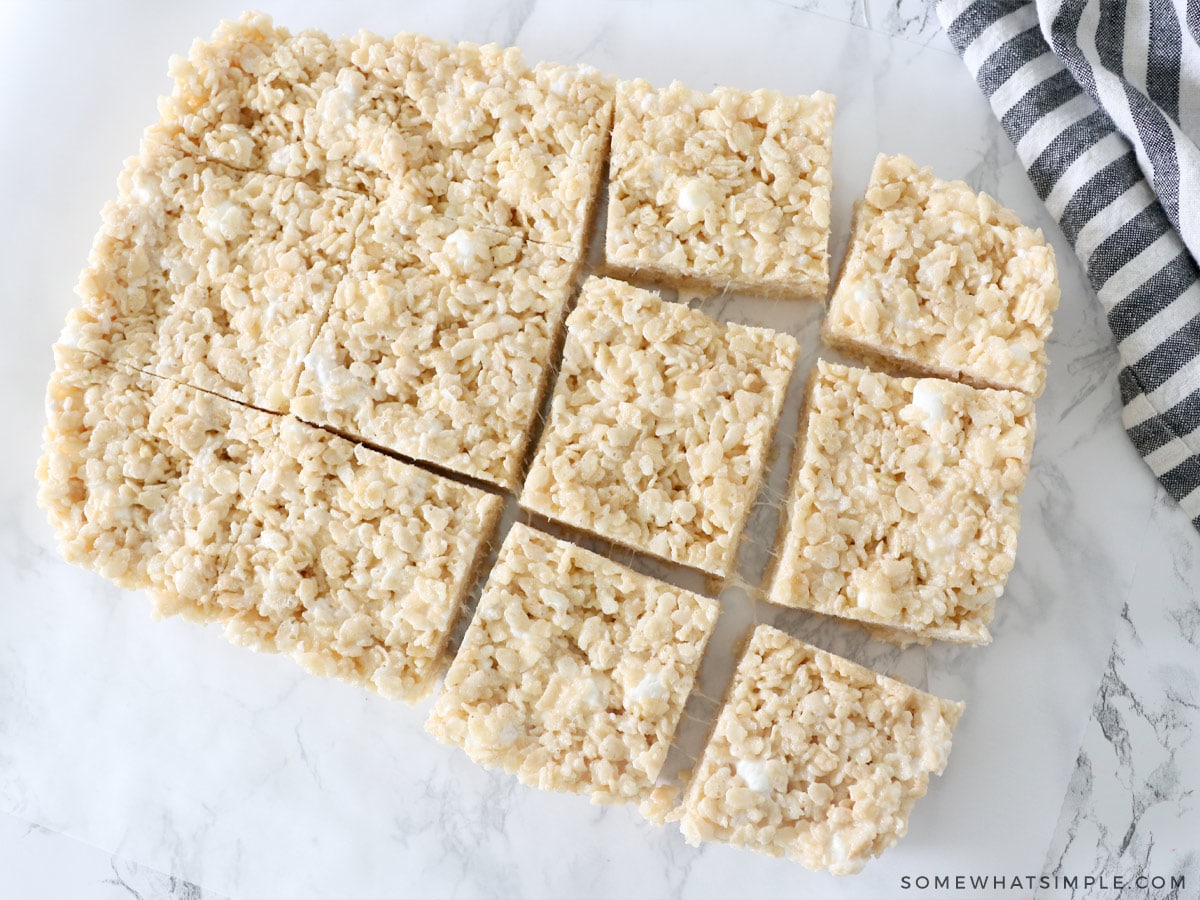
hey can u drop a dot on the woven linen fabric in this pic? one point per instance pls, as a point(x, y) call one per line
point(1102, 100)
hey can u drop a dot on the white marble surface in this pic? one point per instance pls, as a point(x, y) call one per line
point(176, 753)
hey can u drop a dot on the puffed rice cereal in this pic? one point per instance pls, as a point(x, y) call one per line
point(660, 425)
point(815, 757)
point(353, 563)
point(903, 510)
point(574, 672)
point(442, 350)
point(940, 280)
point(721, 191)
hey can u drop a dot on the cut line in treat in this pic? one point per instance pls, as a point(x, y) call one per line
point(441, 351)
point(354, 564)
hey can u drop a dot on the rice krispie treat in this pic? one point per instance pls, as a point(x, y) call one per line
point(903, 510)
point(240, 97)
point(225, 445)
point(442, 349)
point(721, 191)
point(574, 672)
point(940, 280)
point(143, 478)
point(353, 563)
point(138, 264)
point(660, 426)
point(462, 130)
point(213, 276)
point(504, 145)
point(815, 757)
point(103, 475)
point(266, 254)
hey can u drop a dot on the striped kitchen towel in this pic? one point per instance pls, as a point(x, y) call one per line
point(1102, 100)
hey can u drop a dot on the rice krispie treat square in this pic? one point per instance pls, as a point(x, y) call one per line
point(815, 757)
point(472, 133)
point(513, 147)
point(940, 280)
point(266, 254)
point(442, 350)
point(246, 97)
point(660, 425)
point(143, 478)
point(721, 191)
point(213, 276)
point(353, 563)
point(574, 672)
point(903, 510)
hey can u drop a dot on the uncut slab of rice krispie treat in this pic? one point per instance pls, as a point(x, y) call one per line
point(940, 280)
point(903, 509)
point(660, 425)
point(574, 672)
point(815, 758)
point(353, 563)
point(442, 348)
point(143, 478)
point(721, 191)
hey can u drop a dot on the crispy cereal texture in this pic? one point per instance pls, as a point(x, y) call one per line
point(721, 191)
point(815, 757)
point(940, 280)
point(143, 479)
point(903, 510)
point(462, 130)
point(574, 672)
point(353, 563)
point(139, 262)
point(441, 349)
point(269, 252)
point(660, 425)
point(213, 276)
point(102, 475)
point(224, 444)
